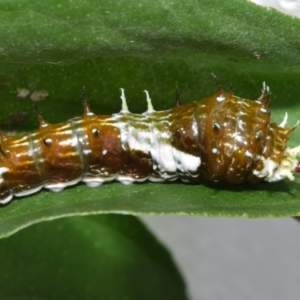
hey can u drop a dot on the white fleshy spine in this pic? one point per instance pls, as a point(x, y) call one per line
point(150, 108)
point(124, 109)
point(284, 121)
point(143, 133)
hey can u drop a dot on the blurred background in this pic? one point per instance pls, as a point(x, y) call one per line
point(225, 258)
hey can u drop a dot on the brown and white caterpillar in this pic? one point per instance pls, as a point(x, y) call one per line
point(220, 138)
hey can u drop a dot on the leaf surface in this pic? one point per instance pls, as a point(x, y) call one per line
point(138, 45)
point(96, 257)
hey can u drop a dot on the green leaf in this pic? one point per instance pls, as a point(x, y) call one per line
point(57, 32)
point(140, 45)
point(96, 257)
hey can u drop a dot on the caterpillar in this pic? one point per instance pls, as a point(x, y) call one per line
point(219, 138)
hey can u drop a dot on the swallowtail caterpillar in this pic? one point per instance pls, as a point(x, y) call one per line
point(219, 138)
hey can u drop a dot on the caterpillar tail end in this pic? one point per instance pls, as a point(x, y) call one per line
point(291, 156)
point(297, 168)
point(285, 169)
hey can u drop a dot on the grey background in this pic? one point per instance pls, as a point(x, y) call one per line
point(290, 7)
point(224, 258)
point(236, 258)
